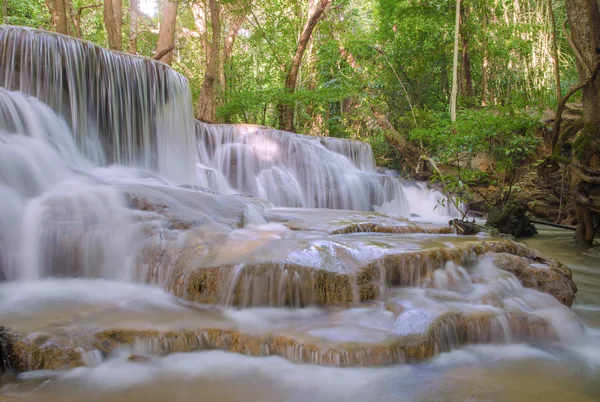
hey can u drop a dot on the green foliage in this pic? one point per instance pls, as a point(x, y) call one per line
point(506, 136)
point(503, 133)
point(32, 13)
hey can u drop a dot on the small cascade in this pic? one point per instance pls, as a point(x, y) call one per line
point(294, 170)
point(54, 220)
point(121, 109)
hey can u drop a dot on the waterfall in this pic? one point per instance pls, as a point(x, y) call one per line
point(294, 170)
point(76, 121)
point(121, 109)
point(58, 217)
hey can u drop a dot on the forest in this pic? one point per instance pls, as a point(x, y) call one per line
point(495, 101)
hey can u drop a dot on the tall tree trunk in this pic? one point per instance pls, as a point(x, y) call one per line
point(134, 15)
point(166, 34)
point(485, 63)
point(285, 109)
point(466, 82)
point(58, 9)
point(453, 95)
point(555, 52)
point(206, 106)
point(584, 21)
point(484, 79)
point(113, 21)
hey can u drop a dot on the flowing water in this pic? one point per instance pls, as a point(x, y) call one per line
point(145, 256)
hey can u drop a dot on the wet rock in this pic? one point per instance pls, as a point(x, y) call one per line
point(448, 332)
point(4, 352)
point(139, 359)
point(543, 210)
point(536, 272)
point(511, 219)
point(21, 353)
point(281, 283)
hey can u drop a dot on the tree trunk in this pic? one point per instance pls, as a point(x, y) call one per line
point(113, 21)
point(409, 152)
point(285, 108)
point(455, 65)
point(484, 79)
point(134, 15)
point(466, 82)
point(206, 106)
point(58, 11)
point(584, 21)
point(166, 34)
point(555, 52)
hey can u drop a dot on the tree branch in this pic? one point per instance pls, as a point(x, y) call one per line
point(162, 53)
point(561, 106)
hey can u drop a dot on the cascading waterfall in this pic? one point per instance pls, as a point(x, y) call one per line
point(293, 170)
point(148, 123)
point(54, 221)
point(121, 109)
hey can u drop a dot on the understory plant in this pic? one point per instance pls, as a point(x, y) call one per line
point(503, 139)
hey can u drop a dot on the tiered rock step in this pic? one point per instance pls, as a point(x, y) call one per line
point(274, 268)
point(367, 299)
point(306, 257)
point(336, 221)
point(406, 328)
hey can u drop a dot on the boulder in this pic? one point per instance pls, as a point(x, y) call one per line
point(511, 219)
point(545, 275)
point(543, 210)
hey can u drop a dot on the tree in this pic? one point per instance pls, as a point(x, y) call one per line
point(453, 96)
point(206, 107)
point(316, 8)
point(59, 9)
point(466, 79)
point(584, 21)
point(166, 34)
point(113, 20)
